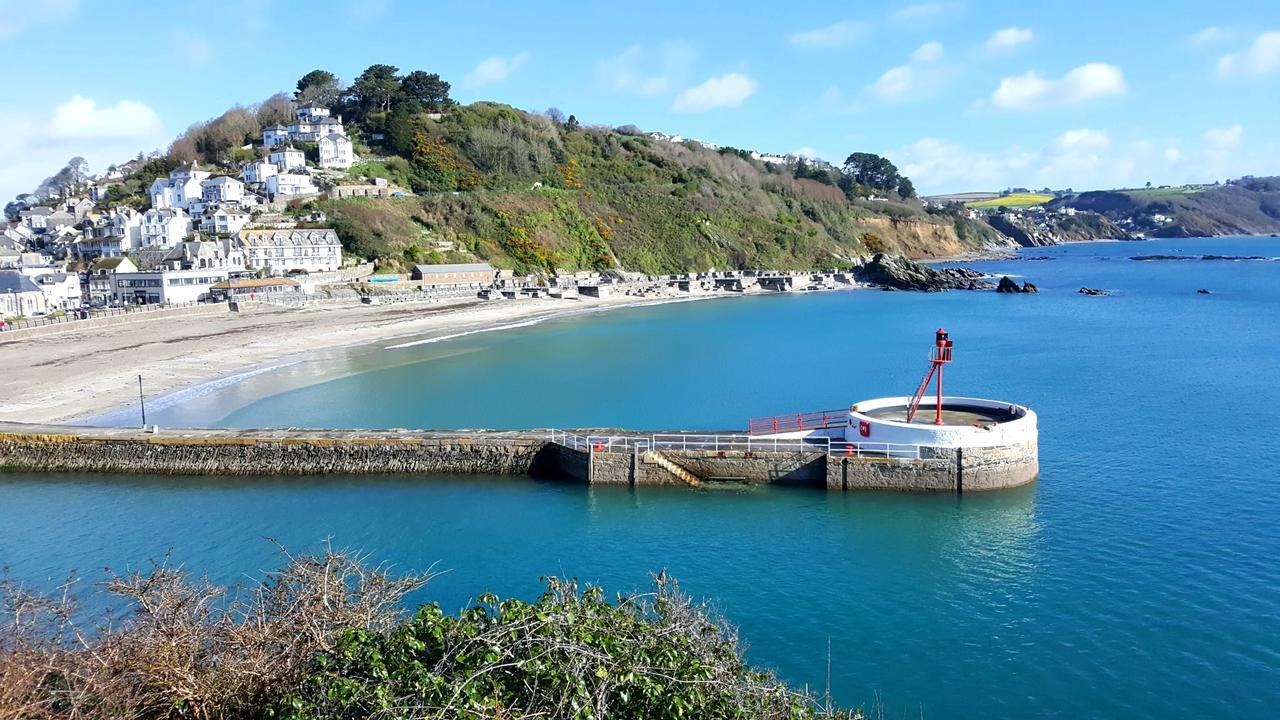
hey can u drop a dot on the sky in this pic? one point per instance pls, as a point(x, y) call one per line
point(962, 95)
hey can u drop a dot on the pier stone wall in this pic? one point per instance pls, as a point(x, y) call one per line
point(784, 468)
point(996, 468)
point(296, 454)
point(316, 452)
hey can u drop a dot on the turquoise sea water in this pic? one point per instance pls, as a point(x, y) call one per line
point(1140, 577)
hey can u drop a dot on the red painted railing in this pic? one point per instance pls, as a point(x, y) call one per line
point(797, 422)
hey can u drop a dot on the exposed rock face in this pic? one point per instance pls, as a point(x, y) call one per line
point(1093, 291)
point(899, 273)
point(1151, 258)
point(1053, 229)
point(1009, 285)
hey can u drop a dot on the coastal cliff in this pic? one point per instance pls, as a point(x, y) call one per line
point(1056, 229)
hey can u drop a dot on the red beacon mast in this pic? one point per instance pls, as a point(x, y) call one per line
point(939, 355)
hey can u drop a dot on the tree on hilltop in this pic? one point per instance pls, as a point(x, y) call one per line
point(320, 87)
point(376, 87)
point(427, 88)
point(871, 171)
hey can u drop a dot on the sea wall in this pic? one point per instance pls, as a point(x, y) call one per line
point(317, 452)
point(297, 453)
point(113, 318)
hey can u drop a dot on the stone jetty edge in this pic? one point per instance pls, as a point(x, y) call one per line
point(169, 451)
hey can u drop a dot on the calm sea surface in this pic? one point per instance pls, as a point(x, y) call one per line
point(1139, 578)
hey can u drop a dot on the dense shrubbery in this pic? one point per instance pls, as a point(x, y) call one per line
point(323, 638)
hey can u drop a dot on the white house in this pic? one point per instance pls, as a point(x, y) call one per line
point(61, 289)
point(259, 171)
point(312, 112)
point(35, 217)
point(111, 235)
point(165, 227)
point(102, 278)
point(182, 186)
point(148, 287)
point(222, 189)
point(19, 296)
point(280, 251)
point(224, 221)
point(290, 185)
point(275, 135)
point(335, 151)
point(288, 159)
point(313, 130)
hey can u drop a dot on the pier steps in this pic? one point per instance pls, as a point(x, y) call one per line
point(655, 457)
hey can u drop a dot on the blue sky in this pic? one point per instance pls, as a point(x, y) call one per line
point(961, 94)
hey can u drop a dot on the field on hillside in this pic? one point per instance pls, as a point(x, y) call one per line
point(1014, 200)
point(1158, 193)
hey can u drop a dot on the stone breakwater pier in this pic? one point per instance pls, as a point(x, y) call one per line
point(591, 457)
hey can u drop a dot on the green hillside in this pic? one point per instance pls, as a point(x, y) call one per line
point(524, 191)
point(1248, 206)
point(536, 192)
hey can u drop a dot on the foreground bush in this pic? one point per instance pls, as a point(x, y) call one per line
point(323, 638)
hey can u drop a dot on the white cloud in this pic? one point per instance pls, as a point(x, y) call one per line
point(494, 69)
point(725, 91)
point(17, 16)
point(927, 52)
point(844, 32)
point(1226, 138)
point(36, 144)
point(1032, 91)
point(1260, 58)
point(924, 12)
point(196, 49)
point(1082, 159)
point(1209, 35)
point(1009, 38)
point(913, 81)
point(80, 119)
point(646, 72)
point(894, 84)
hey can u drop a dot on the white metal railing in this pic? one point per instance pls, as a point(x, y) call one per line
point(741, 443)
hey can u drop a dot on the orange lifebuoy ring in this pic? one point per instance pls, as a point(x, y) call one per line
point(864, 428)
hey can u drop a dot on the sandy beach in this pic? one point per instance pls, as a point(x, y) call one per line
point(88, 373)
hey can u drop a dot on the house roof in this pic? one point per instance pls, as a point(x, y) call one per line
point(295, 236)
point(251, 283)
point(222, 180)
point(15, 282)
point(459, 267)
point(110, 263)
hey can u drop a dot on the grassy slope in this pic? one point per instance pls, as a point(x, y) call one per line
point(628, 202)
point(1012, 200)
point(1251, 206)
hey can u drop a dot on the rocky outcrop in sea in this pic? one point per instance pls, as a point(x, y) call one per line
point(1009, 285)
point(893, 272)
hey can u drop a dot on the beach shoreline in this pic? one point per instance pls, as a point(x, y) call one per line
point(91, 375)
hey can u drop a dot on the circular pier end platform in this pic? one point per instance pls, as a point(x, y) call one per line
point(994, 443)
